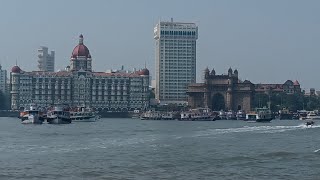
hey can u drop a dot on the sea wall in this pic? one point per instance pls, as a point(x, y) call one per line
point(9, 113)
point(109, 114)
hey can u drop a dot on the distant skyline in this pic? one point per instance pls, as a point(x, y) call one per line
point(267, 41)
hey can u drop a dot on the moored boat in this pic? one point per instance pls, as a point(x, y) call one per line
point(82, 114)
point(58, 115)
point(302, 114)
point(285, 114)
point(31, 116)
point(230, 115)
point(259, 115)
point(241, 115)
point(199, 114)
point(222, 115)
point(312, 115)
point(157, 115)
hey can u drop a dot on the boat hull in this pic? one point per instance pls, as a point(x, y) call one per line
point(264, 120)
point(32, 120)
point(58, 121)
point(84, 119)
point(198, 119)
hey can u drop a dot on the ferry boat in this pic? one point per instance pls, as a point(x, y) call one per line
point(199, 114)
point(222, 115)
point(157, 115)
point(259, 115)
point(285, 114)
point(302, 114)
point(230, 115)
point(136, 114)
point(312, 115)
point(241, 115)
point(31, 116)
point(82, 114)
point(58, 115)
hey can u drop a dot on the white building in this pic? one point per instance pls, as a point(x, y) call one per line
point(78, 85)
point(3, 80)
point(175, 60)
point(46, 60)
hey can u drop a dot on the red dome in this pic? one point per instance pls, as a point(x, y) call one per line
point(144, 72)
point(81, 49)
point(16, 69)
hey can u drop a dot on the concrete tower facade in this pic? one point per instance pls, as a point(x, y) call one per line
point(175, 60)
point(3, 80)
point(46, 60)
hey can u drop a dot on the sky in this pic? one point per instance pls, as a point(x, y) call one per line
point(268, 41)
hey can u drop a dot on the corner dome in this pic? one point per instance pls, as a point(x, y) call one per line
point(16, 69)
point(80, 49)
point(144, 72)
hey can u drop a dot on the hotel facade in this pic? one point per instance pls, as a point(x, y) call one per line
point(79, 85)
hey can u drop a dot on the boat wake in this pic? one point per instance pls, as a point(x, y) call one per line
point(318, 150)
point(253, 129)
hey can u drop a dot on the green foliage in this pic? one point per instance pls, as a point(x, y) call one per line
point(293, 102)
point(4, 101)
point(152, 94)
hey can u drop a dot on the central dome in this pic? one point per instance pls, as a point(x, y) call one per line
point(81, 49)
point(16, 69)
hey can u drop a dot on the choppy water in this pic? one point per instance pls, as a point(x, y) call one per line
point(134, 149)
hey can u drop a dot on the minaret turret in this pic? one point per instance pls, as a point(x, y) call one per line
point(235, 72)
point(230, 72)
point(213, 72)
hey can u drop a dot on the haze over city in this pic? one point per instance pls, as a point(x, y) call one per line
point(267, 41)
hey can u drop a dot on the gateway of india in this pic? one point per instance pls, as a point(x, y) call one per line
point(221, 92)
point(79, 85)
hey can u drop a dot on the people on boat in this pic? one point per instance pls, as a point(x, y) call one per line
point(309, 123)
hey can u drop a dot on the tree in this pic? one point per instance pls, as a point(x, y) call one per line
point(260, 100)
point(2, 100)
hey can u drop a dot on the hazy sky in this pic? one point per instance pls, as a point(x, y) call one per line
point(268, 41)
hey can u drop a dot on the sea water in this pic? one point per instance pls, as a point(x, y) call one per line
point(135, 149)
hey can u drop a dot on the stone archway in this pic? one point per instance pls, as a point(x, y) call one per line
point(218, 102)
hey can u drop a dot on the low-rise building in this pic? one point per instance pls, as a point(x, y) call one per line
point(289, 87)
